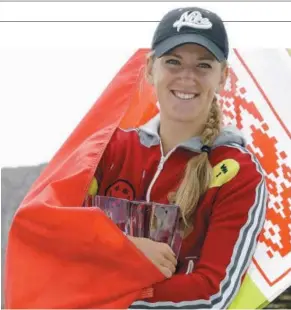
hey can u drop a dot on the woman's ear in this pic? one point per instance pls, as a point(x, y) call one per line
point(149, 69)
point(223, 78)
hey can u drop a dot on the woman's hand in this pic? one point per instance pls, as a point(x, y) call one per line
point(160, 254)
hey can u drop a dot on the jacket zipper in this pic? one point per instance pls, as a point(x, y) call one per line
point(159, 170)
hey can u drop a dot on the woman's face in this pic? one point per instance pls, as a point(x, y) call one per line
point(185, 81)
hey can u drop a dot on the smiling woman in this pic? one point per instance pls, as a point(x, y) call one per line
point(183, 156)
point(188, 68)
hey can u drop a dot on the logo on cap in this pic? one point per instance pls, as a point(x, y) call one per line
point(193, 20)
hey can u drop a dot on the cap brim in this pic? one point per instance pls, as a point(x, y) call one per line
point(180, 39)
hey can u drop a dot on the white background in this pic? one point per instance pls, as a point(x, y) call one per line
point(52, 73)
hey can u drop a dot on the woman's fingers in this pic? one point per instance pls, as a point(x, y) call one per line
point(164, 262)
point(168, 253)
point(159, 253)
point(166, 271)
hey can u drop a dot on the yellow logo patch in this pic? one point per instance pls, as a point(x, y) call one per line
point(223, 172)
point(93, 188)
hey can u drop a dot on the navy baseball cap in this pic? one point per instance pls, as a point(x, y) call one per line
point(191, 25)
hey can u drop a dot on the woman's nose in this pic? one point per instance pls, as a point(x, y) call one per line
point(188, 73)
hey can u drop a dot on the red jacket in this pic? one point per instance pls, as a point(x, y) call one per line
point(226, 223)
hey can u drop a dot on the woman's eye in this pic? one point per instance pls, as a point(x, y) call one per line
point(173, 62)
point(204, 65)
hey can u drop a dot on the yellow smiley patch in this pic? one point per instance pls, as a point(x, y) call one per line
point(93, 188)
point(223, 172)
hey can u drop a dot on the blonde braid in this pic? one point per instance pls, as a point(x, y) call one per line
point(213, 125)
point(198, 171)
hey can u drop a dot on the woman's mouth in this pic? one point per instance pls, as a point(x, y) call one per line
point(183, 95)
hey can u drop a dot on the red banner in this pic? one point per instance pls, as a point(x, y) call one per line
point(60, 254)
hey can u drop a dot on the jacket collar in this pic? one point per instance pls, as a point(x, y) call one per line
point(149, 136)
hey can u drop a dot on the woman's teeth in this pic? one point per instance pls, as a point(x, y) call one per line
point(184, 96)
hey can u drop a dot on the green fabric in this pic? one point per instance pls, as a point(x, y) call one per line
point(249, 296)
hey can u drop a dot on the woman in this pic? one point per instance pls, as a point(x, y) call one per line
point(61, 255)
point(185, 156)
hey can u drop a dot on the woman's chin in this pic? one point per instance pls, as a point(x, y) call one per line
point(182, 117)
